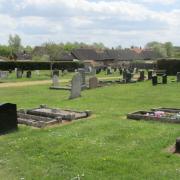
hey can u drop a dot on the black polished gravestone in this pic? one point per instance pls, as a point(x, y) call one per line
point(28, 74)
point(8, 118)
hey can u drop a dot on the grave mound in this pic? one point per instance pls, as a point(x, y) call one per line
point(169, 115)
point(45, 116)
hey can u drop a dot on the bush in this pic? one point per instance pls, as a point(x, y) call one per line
point(142, 65)
point(172, 66)
point(70, 66)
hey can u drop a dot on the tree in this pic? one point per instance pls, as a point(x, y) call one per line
point(169, 49)
point(157, 47)
point(5, 50)
point(14, 43)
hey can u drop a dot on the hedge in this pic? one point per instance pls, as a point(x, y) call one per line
point(172, 66)
point(143, 65)
point(31, 65)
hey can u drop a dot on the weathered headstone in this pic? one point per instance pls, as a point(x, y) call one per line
point(28, 74)
point(19, 73)
point(75, 86)
point(93, 82)
point(93, 71)
point(8, 117)
point(154, 80)
point(4, 74)
point(55, 80)
point(83, 77)
point(178, 76)
point(37, 72)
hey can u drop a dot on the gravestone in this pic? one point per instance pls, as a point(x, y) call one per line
point(55, 80)
point(28, 74)
point(150, 73)
point(8, 117)
point(109, 71)
point(4, 74)
point(178, 76)
point(124, 73)
point(37, 72)
point(93, 71)
point(19, 73)
point(56, 72)
point(120, 71)
point(83, 77)
point(93, 82)
point(154, 80)
point(164, 79)
point(75, 86)
point(141, 77)
point(128, 77)
point(134, 70)
point(97, 71)
point(177, 145)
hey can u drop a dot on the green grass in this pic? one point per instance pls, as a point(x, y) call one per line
point(106, 146)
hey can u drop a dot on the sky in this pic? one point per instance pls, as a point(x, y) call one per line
point(112, 22)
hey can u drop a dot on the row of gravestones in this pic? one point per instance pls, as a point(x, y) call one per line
point(19, 73)
point(78, 83)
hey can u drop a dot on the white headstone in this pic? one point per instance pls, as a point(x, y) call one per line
point(55, 81)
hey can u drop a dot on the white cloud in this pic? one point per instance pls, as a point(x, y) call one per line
point(113, 22)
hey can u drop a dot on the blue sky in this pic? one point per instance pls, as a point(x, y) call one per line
point(113, 22)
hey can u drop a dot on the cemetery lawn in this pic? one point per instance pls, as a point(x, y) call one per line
point(105, 146)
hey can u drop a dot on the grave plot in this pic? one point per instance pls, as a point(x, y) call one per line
point(44, 116)
point(168, 115)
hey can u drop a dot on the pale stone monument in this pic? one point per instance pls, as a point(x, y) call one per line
point(75, 86)
point(55, 80)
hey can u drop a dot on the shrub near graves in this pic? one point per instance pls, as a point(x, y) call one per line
point(70, 66)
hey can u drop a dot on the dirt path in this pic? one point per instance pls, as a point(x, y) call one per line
point(31, 83)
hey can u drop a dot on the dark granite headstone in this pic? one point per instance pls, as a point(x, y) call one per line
point(154, 80)
point(150, 75)
point(178, 145)
point(8, 117)
point(141, 78)
point(164, 79)
point(28, 74)
point(109, 71)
